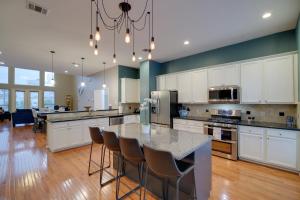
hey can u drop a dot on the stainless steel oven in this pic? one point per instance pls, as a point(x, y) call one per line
point(224, 143)
point(224, 94)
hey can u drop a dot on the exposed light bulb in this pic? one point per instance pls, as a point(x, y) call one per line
point(104, 85)
point(133, 57)
point(91, 43)
point(114, 59)
point(97, 34)
point(152, 44)
point(82, 84)
point(96, 50)
point(127, 36)
point(149, 55)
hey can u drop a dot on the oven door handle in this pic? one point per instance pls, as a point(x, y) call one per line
point(223, 129)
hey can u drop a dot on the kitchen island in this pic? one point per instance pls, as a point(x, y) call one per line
point(182, 144)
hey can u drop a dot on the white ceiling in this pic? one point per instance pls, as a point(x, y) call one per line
point(26, 37)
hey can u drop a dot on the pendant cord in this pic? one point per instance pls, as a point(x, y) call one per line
point(133, 36)
point(149, 31)
point(152, 16)
point(91, 17)
point(82, 69)
point(114, 38)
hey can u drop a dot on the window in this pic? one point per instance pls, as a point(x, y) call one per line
point(20, 99)
point(3, 74)
point(27, 77)
point(49, 99)
point(4, 99)
point(34, 99)
point(49, 77)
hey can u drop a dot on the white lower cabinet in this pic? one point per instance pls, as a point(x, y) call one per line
point(276, 147)
point(251, 146)
point(188, 125)
point(66, 135)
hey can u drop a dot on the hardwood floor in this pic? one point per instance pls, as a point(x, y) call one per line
point(29, 171)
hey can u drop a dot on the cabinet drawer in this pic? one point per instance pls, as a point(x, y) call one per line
point(179, 121)
point(282, 133)
point(251, 130)
point(194, 123)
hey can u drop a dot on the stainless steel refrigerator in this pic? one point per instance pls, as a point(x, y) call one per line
point(164, 107)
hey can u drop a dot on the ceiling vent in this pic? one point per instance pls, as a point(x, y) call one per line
point(37, 8)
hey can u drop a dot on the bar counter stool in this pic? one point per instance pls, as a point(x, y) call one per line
point(163, 165)
point(97, 138)
point(111, 143)
point(131, 152)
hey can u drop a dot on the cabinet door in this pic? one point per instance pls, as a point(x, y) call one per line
point(282, 152)
point(129, 90)
point(199, 86)
point(184, 87)
point(252, 82)
point(171, 82)
point(227, 75)
point(161, 83)
point(251, 146)
point(60, 137)
point(279, 80)
point(75, 135)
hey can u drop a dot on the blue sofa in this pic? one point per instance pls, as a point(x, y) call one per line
point(22, 116)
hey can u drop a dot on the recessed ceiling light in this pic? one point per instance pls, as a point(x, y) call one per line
point(66, 71)
point(140, 58)
point(266, 15)
point(2, 63)
point(186, 42)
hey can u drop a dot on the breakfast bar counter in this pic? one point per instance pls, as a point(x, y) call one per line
point(181, 144)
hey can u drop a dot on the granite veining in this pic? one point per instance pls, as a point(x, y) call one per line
point(179, 143)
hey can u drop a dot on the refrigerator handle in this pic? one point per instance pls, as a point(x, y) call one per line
point(158, 106)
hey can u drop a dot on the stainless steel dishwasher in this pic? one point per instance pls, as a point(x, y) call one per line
point(116, 120)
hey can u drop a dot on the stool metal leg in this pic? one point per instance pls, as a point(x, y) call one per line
point(145, 182)
point(99, 165)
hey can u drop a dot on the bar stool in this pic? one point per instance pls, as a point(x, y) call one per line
point(111, 142)
point(97, 138)
point(163, 164)
point(132, 152)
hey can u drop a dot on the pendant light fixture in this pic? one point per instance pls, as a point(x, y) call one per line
point(104, 85)
point(114, 55)
point(149, 50)
point(123, 22)
point(52, 79)
point(82, 84)
point(133, 52)
point(91, 43)
point(152, 44)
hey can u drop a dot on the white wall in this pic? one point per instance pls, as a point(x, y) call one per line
point(94, 82)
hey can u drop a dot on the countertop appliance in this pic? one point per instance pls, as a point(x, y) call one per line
point(223, 127)
point(116, 120)
point(224, 94)
point(164, 107)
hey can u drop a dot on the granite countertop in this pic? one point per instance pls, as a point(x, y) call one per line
point(179, 143)
point(65, 112)
point(247, 123)
point(66, 119)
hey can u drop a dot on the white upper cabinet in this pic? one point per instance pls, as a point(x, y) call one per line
point(161, 83)
point(252, 82)
point(199, 86)
point(279, 80)
point(171, 82)
point(226, 75)
point(130, 90)
point(184, 87)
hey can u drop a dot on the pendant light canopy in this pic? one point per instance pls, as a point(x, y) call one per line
point(82, 84)
point(52, 68)
point(123, 21)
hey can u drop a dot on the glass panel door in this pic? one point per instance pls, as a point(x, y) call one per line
point(34, 99)
point(20, 99)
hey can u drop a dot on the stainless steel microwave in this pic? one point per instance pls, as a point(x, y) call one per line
point(224, 94)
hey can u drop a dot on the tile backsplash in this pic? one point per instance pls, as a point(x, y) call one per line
point(266, 113)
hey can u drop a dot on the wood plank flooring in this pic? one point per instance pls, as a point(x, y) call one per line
point(29, 171)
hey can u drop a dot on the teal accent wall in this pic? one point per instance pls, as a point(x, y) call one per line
point(148, 72)
point(126, 72)
point(298, 45)
point(264, 46)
